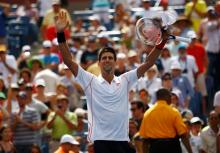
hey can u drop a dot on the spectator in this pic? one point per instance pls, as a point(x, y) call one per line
point(175, 100)
point(25, 74)
point(66, 144)
point(4, 12)
point(137, 110)
point(121, 64)
point(90, 148)
point(51, 79)
point(195, 140)
point(187, 63)
point(47, 29)
point(182, 26)
point(82, 127)
point(209, 35)
point(95, 25)
point(44, 7)
point(150, 81)
point(24, 57)
point(31, 14)
point(209, 134)
point(3, 88)
point(182, 83)
point(195, 11)
point(24, 124)
point(217, 102)
point(145, 97)
point(197, 50)
point(121, 15)
point(168, 84)
point(8, 65)
point(49, 59)
point(40, 94)
point(6, 140)
point(90, 55)
point(101, 7)
point(218, 142)
point(61, 121)
point(35, 149)
point(12, 102)
point(162, 130)
point(4, 114)
point(35, 65)
point(73, 88)
point(166, 59)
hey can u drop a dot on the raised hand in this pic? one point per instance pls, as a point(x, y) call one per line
point(61, 21)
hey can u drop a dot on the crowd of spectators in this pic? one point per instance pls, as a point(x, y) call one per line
point(42, 107)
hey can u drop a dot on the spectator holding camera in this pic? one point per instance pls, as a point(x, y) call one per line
point(187, 63)
point(61, 121)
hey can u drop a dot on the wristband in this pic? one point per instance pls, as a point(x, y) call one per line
point(61, 37)
point(161, 45)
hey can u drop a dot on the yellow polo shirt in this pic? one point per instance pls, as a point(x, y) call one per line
point(162, 121)
point(195, 18)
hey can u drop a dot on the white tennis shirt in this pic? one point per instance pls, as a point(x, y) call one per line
point(107, 104)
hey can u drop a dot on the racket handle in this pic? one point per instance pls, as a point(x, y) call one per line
point(182, 39)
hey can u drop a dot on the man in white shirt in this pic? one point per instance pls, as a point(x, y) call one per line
point(107, 95)
point(209, 134)
point(187, 63)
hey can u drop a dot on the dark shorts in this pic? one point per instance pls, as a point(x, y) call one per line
point(165, 146)
point(103, 146)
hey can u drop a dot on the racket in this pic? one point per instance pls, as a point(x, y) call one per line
point(149, 30)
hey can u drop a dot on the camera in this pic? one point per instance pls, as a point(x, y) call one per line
point(185, 71)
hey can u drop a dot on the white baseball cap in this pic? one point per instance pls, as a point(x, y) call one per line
point(40, 82)
point(66, 138)
point(121, 56)
point(175, 66)
point(26, 48)
point(47, 44)
point(196, 120)
point(55, 2)
point(191, 34)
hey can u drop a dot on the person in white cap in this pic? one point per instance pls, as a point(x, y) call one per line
point(67, 142)
point(121, 64)
point(197, 50)
point(49, 19)
point(107, 95)
point(182, 83)
point(23, 57)
point(49, 59)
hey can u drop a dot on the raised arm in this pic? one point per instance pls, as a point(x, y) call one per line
point(62, 23)
point(152, 57)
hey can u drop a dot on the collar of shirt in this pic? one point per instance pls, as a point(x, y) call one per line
point(102, 80)
point(161, 102)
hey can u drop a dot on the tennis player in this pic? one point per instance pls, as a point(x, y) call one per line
point(107, 95)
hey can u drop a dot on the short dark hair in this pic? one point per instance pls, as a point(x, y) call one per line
point(105, 50)
point(166, 76)
point(139, 104)
point(163, 94)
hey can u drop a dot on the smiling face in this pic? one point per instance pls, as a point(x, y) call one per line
point(107, 63)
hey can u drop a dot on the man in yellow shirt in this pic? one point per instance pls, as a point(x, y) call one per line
point(195, 11)
point(162, 126)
